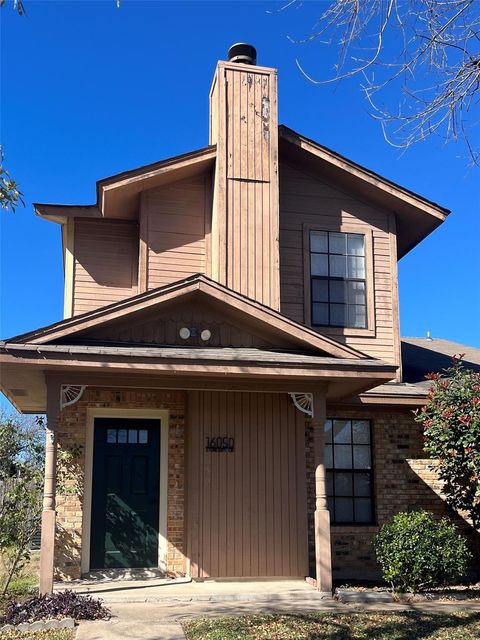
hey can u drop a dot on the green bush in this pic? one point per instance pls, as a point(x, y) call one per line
point(417, 552)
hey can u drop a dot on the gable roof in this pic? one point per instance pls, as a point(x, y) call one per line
point(424, 355)
point(415, 215)
point(269, 320)
point(118, 195)
point(421, 356)
point(128, 185)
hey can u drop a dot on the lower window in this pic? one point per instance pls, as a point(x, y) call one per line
point(348, 460)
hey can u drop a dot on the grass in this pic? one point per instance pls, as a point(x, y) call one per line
point(461, 625)
point(51, 634)
point(23, 585)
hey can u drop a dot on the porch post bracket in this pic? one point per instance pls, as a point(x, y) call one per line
point(303, 402)
point(70, 394)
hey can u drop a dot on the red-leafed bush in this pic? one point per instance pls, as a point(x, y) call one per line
point(451, 424)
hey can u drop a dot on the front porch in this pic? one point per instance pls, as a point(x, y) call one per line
point(185, 590)
point(212, 480)
point(229, 513)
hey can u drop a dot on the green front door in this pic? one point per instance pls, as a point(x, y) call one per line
point(125, 493)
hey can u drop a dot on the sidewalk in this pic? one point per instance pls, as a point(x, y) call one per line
point(159, 617)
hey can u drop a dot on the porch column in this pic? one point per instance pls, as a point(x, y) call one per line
point(323, 552)
point(47, 548)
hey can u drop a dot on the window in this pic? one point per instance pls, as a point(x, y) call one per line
point(348, 461)
point(338, 280)
point(127, 436)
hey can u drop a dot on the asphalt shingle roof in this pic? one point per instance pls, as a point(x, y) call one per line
point(424, 355)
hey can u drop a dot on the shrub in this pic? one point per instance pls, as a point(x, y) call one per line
point(63, 604)
point(451, 428)
point(417, 552)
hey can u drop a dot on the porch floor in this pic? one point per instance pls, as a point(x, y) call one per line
point(186, 590)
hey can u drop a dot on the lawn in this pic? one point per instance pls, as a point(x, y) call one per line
point(460, 625)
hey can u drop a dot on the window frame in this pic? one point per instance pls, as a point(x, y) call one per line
point(366, 231)
point(371, 472)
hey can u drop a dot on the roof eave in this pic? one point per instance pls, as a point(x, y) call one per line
point(59, 213)
point(399, 200)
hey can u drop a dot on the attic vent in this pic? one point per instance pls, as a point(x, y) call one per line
point(242, 53)
point(18, 392)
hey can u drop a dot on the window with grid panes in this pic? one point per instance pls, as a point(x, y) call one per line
point(338, 279)
point(348, 461)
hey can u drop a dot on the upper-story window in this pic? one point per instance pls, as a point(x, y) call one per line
point(338, 279)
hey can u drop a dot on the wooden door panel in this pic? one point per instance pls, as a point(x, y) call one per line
point(247, 510)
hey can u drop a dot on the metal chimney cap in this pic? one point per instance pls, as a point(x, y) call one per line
point(243, 53)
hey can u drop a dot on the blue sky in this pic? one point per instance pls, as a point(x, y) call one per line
point(89, 90)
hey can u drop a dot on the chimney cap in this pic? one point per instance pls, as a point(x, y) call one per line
point(243, 53)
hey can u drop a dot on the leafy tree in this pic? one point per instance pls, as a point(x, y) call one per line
point(22, 454)
point(10, 194)
point(451, 424)
point(21, 484)
point(421, 57)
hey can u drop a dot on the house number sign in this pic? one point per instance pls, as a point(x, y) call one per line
point(220, 444)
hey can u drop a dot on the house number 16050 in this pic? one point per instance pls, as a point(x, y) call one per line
point(219, 444)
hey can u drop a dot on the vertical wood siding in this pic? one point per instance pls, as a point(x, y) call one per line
point(247, 512)
point(173, 228)
point(245, 216)
point(305, 200)
point(106, 263)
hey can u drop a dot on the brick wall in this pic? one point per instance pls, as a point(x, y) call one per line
point(72, 434)
point(400, 484)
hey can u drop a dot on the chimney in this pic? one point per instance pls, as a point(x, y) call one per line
point(245, 218)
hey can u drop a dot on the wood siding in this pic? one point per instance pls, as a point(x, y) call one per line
point(306, 202)
point(247, 511)
point(162, 326)
point(243, 117)
point(105, 263)
point(173, 223)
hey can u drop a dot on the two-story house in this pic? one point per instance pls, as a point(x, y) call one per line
point(229, 363)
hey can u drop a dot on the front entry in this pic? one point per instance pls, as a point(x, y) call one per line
point(125, 495)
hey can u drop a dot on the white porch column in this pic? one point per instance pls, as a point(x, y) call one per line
point(323, 551)
point(47, 548)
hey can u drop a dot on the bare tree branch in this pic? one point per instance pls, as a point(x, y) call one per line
point(422, 57)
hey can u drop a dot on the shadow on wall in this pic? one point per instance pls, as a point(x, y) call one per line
point(67, 553)
point(427, 480)
point(353, 554)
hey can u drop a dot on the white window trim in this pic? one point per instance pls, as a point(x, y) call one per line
point(369, 330)
point(158, 414)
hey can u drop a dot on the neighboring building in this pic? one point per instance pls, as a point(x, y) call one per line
point(213, 301)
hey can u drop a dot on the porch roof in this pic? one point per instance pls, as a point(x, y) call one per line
point(277, 325)
point(25, 368)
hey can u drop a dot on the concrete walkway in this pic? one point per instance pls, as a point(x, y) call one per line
point(155, 612)
point(185, 590)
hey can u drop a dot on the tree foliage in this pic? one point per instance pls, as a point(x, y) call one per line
point(421, 58)
point(22, 454)
point(21, 483)
point(10, 194)
point(451, 424)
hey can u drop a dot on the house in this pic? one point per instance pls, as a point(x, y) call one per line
point(229, 363)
